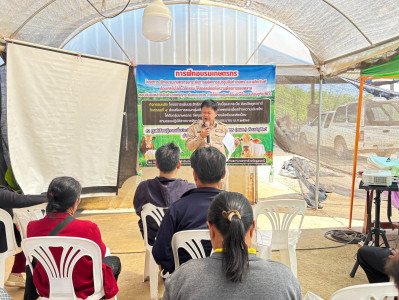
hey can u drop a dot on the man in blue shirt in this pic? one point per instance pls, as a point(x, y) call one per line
point(190, 212)
point(162, 190)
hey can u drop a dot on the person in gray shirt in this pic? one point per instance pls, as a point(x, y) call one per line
point(233, 271)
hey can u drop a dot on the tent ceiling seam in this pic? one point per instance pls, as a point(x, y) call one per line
point(346, 17)
point(31, 17)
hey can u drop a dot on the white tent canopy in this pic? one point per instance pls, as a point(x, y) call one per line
point(254, 41)
point(339, 34)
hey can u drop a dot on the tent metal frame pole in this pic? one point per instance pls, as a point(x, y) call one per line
point(359, 114)
point(256, 199)
point(349, 20)
point(260, 44)
point(116, 41)
point(57, 50)
point(189, 31)
point(318, 144)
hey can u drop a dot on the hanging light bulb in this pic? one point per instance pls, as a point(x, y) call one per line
point(157, 22)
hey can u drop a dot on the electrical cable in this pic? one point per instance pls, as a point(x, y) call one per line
point(128, 2)
point(345, 236)
point(340, 236)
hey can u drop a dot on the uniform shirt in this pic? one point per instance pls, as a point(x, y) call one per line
point(204, 279)
point(161, 192)
point(194, 139)
point(188, 213)
point(82, 275)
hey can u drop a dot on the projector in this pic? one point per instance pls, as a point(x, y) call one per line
point(377, 177)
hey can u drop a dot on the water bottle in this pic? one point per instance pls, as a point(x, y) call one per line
point(271, 174)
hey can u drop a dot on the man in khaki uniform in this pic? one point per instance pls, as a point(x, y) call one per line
point(199, 131)
point(216, 133)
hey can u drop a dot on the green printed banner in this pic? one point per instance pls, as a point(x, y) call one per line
point(170, 97)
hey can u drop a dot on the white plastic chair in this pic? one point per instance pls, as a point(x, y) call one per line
point(189, 240)
point(283, 236)
point(12, 247)
point(150, 266)
point(23, 217)
point(60, 278)
point(375, 291)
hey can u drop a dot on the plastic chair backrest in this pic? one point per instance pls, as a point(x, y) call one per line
point(375, 291)
point(12, 246)
point(9, 230)
point(150, 266)
point(23, 217)
point(189, 240)
point(150, 210)
point(59, 270)
point(281, 213)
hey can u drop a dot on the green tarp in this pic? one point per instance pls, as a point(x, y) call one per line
point(390, 68)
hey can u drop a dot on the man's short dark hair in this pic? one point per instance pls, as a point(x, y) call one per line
point(209, 164)
point(210, 103)
point(168, 157)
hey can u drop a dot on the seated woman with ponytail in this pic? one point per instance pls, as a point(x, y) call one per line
point(63, 196)
point(233, 271)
